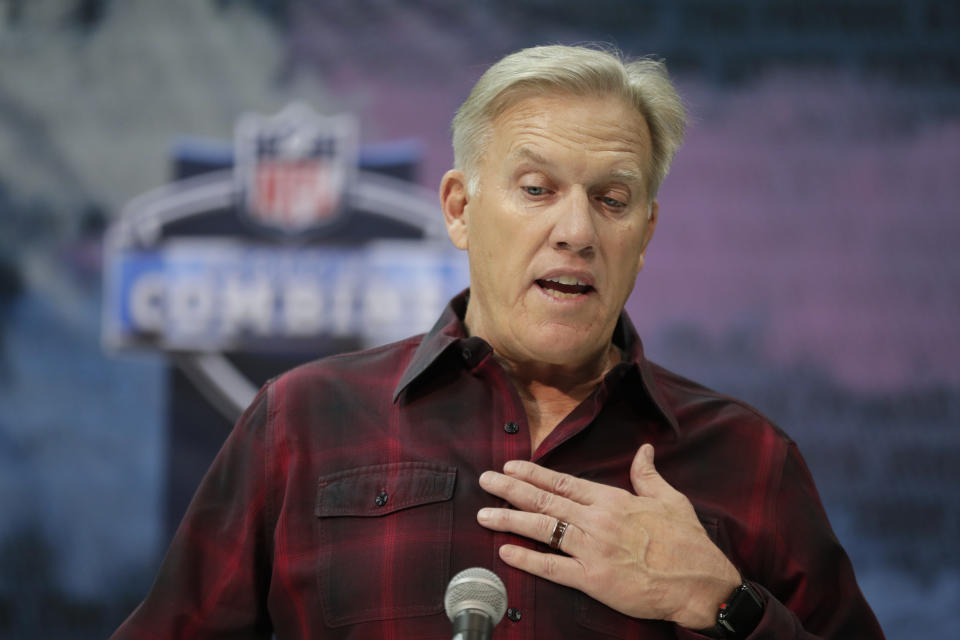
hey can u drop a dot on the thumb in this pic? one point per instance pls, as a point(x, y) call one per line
point(647, 482)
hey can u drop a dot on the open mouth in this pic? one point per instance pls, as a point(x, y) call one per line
point(564, 287)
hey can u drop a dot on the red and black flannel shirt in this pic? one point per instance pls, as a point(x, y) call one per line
point(346, 497)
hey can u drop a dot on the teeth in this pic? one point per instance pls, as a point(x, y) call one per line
point(565, 280)
point(561, 294)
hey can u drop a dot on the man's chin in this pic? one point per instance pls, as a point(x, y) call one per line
point(565, 347)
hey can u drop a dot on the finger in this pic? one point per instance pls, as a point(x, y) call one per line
point(551, 566)
point(527, 497)
point(645, 478)
point(535, 526)
point(561, 484)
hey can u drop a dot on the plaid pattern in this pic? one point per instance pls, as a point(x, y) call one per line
point(345, 499)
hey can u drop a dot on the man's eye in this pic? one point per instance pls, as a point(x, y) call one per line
point(535, 191)
point(612, 202)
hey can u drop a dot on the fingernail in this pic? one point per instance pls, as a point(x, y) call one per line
point(511, 465)
point(484, 515)
point(486, 476)
point(506, 551)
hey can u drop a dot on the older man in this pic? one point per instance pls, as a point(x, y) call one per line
point(519, 433)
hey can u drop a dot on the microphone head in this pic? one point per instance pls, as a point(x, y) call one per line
point(476, 588)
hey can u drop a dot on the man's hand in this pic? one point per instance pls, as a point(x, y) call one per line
point(645, 555)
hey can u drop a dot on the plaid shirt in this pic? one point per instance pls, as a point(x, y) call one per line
point(346, 497)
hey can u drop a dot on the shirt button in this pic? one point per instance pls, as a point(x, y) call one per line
point(466, 353)
point(514, 614)
point(381, 499)
point(511, 427)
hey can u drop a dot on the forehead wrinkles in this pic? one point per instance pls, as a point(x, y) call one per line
point(528, 129)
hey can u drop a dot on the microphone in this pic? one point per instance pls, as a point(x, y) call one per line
point(475, 602)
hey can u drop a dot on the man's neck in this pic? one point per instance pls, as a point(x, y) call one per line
point(550, 392)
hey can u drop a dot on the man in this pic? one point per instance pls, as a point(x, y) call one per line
point(519, 434)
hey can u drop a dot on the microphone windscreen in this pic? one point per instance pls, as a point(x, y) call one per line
point(476, 588)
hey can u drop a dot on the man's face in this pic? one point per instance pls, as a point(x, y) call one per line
point(557, 232)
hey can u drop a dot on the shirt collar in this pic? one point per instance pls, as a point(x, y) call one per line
point(450, 330)
point(626, 338)
point(447, 331)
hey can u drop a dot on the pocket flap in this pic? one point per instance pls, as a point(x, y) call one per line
point(380, 489)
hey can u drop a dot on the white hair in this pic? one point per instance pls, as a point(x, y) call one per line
point(643, 83)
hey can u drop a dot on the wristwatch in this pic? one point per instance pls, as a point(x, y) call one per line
point(740, 614)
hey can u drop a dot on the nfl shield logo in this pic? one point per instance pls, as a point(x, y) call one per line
point(295, 167)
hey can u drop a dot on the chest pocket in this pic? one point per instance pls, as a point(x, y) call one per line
point(384, 535)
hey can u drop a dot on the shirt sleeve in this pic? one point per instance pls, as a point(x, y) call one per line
point(807, 583)
point(215, 577)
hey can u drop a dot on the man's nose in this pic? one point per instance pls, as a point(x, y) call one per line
point(574, 228)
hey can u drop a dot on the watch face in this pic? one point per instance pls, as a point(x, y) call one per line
point(740, 615)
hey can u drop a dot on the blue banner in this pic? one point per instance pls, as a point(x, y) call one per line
point(203, 295)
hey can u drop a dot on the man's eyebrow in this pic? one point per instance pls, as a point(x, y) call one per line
point(526, 153)
point(628, 175)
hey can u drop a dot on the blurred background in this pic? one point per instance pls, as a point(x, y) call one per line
point(805, 260)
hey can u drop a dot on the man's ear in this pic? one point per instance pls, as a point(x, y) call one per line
point(454, 199)
point(654, 212)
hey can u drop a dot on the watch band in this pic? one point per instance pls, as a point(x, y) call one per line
point(740, 614)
